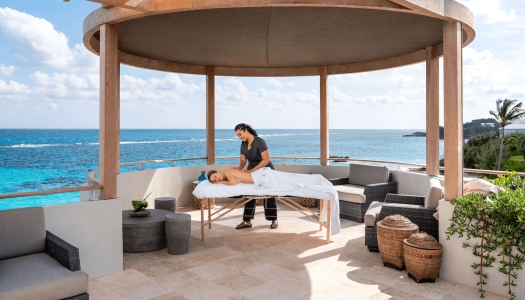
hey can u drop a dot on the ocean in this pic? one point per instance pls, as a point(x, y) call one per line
point(40, 159)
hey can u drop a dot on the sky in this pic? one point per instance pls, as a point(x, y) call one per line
point(48, 79)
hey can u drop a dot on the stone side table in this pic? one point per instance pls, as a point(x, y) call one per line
point(166, 203)
point(178, 229)
point(144, 234)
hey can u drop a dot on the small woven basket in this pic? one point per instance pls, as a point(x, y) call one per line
point(423, 256)
point(204, 202)
point(259, 201)
point(309, 202)
point(391, 232)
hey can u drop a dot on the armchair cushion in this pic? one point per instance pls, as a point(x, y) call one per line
point(374, 211)
point(22, 232)
point(365, 174)
point(434, 193)
point(405, 199)
point(351, 193)
point(39, 276)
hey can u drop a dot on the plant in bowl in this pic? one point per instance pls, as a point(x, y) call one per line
point(139, 207)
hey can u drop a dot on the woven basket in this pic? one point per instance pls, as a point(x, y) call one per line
point(259, 201)
point(423, 256)
point(197, 202)
point(309, 202)
point(391, 232)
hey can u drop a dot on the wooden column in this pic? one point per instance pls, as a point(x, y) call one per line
point(453, 109)
point(109, 159)
point(432, 111)
point(323, 88)
point(210, 115)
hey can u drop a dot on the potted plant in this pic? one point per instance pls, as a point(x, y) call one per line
point(495, 230)
point(139, 207)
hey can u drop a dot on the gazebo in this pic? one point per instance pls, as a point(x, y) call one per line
point(284, 38)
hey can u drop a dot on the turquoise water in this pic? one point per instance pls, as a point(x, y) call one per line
point(32, 160)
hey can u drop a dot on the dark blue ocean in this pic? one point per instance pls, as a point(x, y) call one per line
point(32, 160)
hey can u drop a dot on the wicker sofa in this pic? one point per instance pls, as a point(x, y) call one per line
point(364, 185)
point(419, 207)
point(34, 263)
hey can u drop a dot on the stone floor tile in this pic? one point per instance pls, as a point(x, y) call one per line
point(100, 291)
point(213, 270)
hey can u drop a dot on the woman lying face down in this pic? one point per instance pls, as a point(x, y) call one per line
point(230, 176)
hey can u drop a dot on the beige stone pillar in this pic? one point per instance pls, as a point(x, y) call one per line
point(210, 115)
point(432, 111)
point(453, 109)
point(324, 128)
point(109, 150)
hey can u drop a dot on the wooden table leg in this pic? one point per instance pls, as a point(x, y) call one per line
point(321, 202)
point(328, 218)
point(202, 222)
point(209, 212)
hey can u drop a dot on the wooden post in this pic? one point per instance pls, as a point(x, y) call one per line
point(453, 109)
point(324, 128)
point(432, 111)
point(109, 160)
point(210, 115)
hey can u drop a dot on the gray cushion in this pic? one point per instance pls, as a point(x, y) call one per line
point(22, 232)
point(39, 276)
point(434, 193)
point(372, 213)
point(364, 174)
point(409, 183)
point(351, 193)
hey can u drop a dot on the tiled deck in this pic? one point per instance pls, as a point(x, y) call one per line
point(291, 262)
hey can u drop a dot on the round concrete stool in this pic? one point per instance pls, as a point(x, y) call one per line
point(166, 203)
point(178, 228)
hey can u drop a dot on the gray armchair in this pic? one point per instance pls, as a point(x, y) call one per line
point(364, 185)
point(418, 209)
point(34, 263)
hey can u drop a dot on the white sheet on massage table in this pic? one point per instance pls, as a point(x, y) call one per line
point(275, 183)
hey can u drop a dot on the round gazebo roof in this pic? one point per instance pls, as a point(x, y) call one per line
point(277, 38)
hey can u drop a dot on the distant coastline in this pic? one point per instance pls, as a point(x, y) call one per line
point(472, 128)
point(416, 134)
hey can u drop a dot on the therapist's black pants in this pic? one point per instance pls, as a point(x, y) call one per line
point(270, 210)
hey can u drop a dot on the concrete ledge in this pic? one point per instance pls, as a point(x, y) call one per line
point(95, 228)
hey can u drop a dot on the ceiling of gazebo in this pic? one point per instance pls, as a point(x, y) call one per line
point(277, 37)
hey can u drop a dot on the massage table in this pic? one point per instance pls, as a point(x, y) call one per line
point(282, 186)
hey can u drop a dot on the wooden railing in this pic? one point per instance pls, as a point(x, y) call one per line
point(54, 191)
point(93, 183)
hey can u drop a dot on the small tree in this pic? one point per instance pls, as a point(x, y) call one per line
point(506, 112)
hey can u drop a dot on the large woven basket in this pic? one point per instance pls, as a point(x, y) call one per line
point(310, 202)
point(423, 256)
point(391, 232)
point(204, 202)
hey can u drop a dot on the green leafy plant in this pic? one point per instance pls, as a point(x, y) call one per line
point(140, 204)
point(499, 222)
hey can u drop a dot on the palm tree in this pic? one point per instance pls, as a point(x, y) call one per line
point(506, 112)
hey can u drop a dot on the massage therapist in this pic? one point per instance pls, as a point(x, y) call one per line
point(255, 151)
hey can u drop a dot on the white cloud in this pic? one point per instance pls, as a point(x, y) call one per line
point(490, 11)
point(6, 70)
point(290, 84)
point(274, 82)
point(13, 88)
point(34, 41)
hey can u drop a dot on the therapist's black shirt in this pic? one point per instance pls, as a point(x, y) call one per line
point(253, 155)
